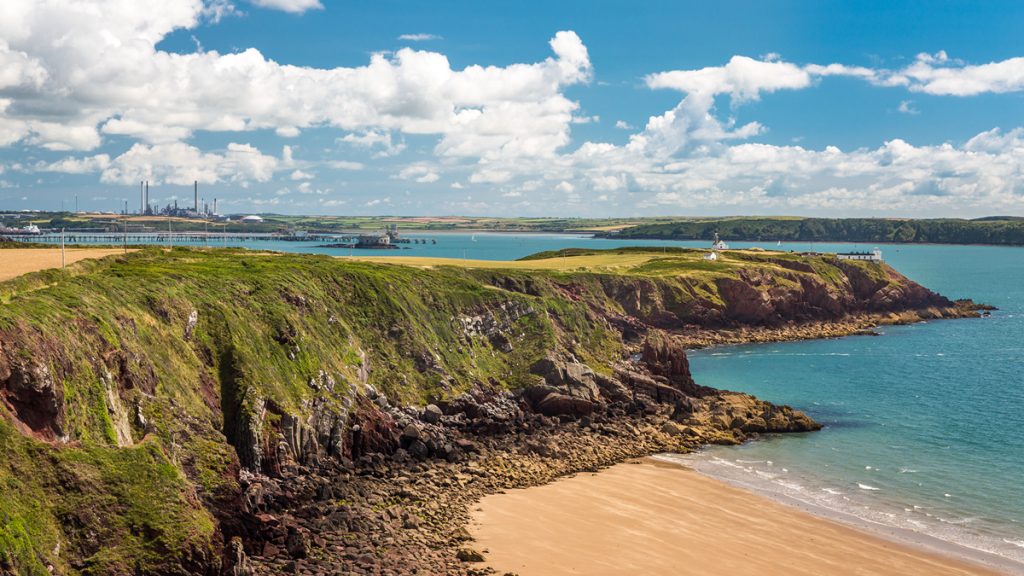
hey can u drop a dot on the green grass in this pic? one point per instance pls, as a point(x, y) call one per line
point(151, 408)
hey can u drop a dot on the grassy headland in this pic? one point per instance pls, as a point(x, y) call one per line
point(134, 389)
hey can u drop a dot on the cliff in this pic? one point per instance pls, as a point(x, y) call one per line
point(193, 412)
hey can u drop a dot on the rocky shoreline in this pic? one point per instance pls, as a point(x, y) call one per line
point(406, 512)
point(853, 325)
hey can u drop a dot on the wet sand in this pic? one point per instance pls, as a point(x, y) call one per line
point(17, 261)
point(653, 518)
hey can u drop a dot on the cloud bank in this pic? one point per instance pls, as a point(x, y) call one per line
point(78, 77)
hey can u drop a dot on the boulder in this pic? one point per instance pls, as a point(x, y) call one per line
point(571, 378)
point(411, 432)
point(418, 449)
point(297, 542)
point(431, 414)
point(672, 429)
point(550, 401)
point(469, 555)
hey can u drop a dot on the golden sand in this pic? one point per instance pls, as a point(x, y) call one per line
point(17, 261)
point(655, 519)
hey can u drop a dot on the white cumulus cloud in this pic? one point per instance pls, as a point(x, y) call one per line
point(420, 37)
point(293, 6)
point(181, 164)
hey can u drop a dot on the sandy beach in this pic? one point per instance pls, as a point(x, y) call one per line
point(17, 261)
point(653, 518)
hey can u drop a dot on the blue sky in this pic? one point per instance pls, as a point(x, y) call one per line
point(516, 108)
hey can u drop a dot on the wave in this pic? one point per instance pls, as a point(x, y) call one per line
point(959, 521)
point(862, 504)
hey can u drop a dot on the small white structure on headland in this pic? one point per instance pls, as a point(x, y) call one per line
point(873, 256)
point(719, 245)
point(711, 255)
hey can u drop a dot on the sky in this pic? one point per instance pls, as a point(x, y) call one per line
point(587, 108)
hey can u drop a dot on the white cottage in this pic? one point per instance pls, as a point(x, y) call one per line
point(719, 244)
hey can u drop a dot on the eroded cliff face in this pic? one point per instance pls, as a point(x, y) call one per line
point(149, 422)
point(771, 298)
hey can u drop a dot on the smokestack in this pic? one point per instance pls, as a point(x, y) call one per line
point(142, 198)
point(214, 205)
point(147, 197)
point(195, 191)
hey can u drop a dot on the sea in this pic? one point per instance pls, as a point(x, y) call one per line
point(924, 425)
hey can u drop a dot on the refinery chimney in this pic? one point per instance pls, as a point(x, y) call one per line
point(195, 192)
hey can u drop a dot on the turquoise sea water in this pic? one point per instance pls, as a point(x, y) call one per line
point(924, 425)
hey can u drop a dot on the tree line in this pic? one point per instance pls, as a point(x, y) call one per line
point(1003, 231)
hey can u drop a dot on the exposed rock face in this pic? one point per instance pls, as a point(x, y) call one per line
point(772, 298)
point(28, 387)
point(896, 294)
point(570, 388)
point(403, 513)
point(495, 323)
point(666, 357)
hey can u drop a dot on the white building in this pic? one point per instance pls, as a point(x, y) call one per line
point(719, 245)
point(252, 218)
point(873, 256)
point(711, 255)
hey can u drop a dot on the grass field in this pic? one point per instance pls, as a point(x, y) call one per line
point(569, 263)
point(650, 262)
point(17, 261)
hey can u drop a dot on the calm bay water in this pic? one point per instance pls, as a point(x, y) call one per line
point(923, 425)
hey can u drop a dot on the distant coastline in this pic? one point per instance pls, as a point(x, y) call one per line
point(997, 231)
point(988, 231)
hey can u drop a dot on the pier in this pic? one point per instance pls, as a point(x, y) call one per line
point(88, 237)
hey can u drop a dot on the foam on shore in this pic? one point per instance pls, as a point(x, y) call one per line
point(863, 506)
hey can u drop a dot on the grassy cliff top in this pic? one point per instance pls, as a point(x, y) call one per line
point(649, 262)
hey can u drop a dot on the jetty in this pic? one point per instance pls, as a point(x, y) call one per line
point(164, 237)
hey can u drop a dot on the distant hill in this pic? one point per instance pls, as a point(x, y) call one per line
point(1000, 230)
point(998, 219)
